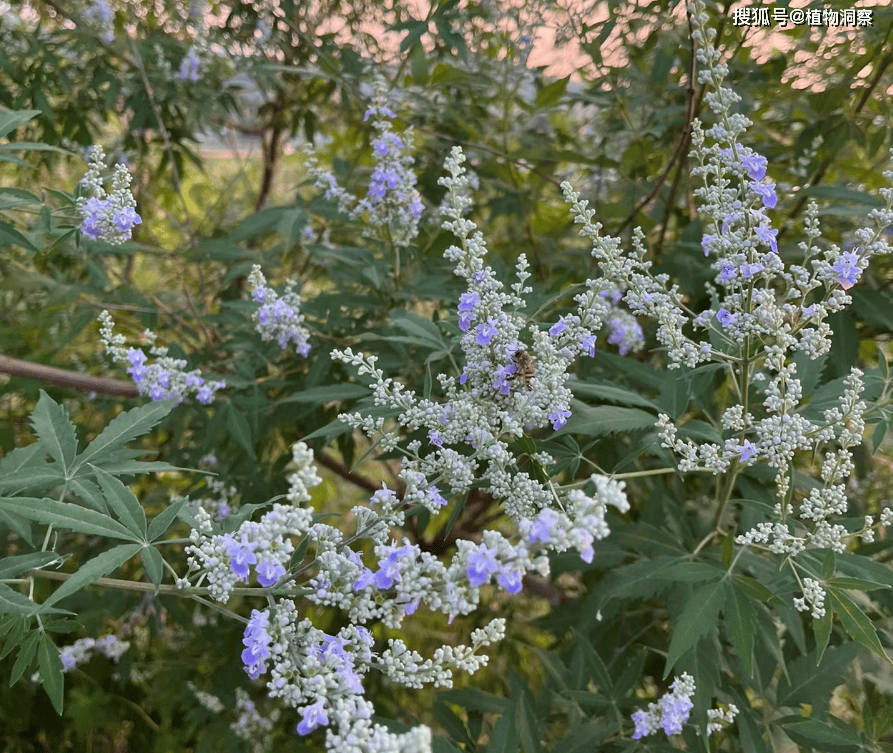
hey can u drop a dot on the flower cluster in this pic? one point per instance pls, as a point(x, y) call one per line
point(279, 318)
point(763, 314)
point(321, 675)
point(224, 559)
point(514, 377)
point(107, 216)
point(671, 711)
point(82, 650)
point(190, 66)
point(392, 200)
point(251, 726)
point(218, 501)
point(165, 378)
point(101, 17)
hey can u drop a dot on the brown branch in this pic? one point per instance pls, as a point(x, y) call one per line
point(681, 148)
point(66, 378)
point(336, 466)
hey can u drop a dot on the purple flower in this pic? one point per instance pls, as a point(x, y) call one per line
point(557, 328)
point(467, 301)
point(642, 720)
point(481, 564)
point(94, 212)
point(747, 450)
point(436, 497)
point(137, 358)
point(486, 332)
point(541, 529)
point(559, 416)
point(725, 317)
point(257, 641)
point(366, 579)
point(676, 710)
point(847, 269)
point(124, 219)
point(268, 572)
point(314, 716)
point(241, 555)
point(706, 242)
point(510, 580)
point(755, 164)
point(767, 192)
point(766, 233)
point(588, 344)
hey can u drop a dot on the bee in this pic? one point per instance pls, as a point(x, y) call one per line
point(524, 368)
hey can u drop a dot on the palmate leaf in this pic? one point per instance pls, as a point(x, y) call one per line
point(54, 430)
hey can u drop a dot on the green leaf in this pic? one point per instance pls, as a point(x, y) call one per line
point(88, 492)
point(123, 501)
point(66, 515)
point(857, 584)
point(422, 331)
point(832, 736)
point(594, 664)
point(740, 624)
point(505, 737)
point(753, 587)
point(153, 563)
point(474, 699)
point(12, 567)
point(855, 622)
point(25, 657)
point(12, 602)
point(91, 571)
point(551, 93)
point(240, 429)
point(605, 419)
point(841, 193)
point(327, 393)
point(691, 572)
point(822, 630)
point(55, 431)
point(609, 393)
point(137, 467)
point(697, 619)
point(161, 522)
point(806, 682)
point(123, 428)
point(12, 119)
point(9, 236)
point(33, 479)
point(51, 671)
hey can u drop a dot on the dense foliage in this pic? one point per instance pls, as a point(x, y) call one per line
point(384, 355)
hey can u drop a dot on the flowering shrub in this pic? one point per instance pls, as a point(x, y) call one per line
point(632, 500)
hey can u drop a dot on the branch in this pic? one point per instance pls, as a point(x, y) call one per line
point(66, 378)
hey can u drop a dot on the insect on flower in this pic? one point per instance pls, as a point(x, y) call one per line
point(524, 368)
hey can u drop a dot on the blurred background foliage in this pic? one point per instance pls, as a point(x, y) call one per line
point(599, 93)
